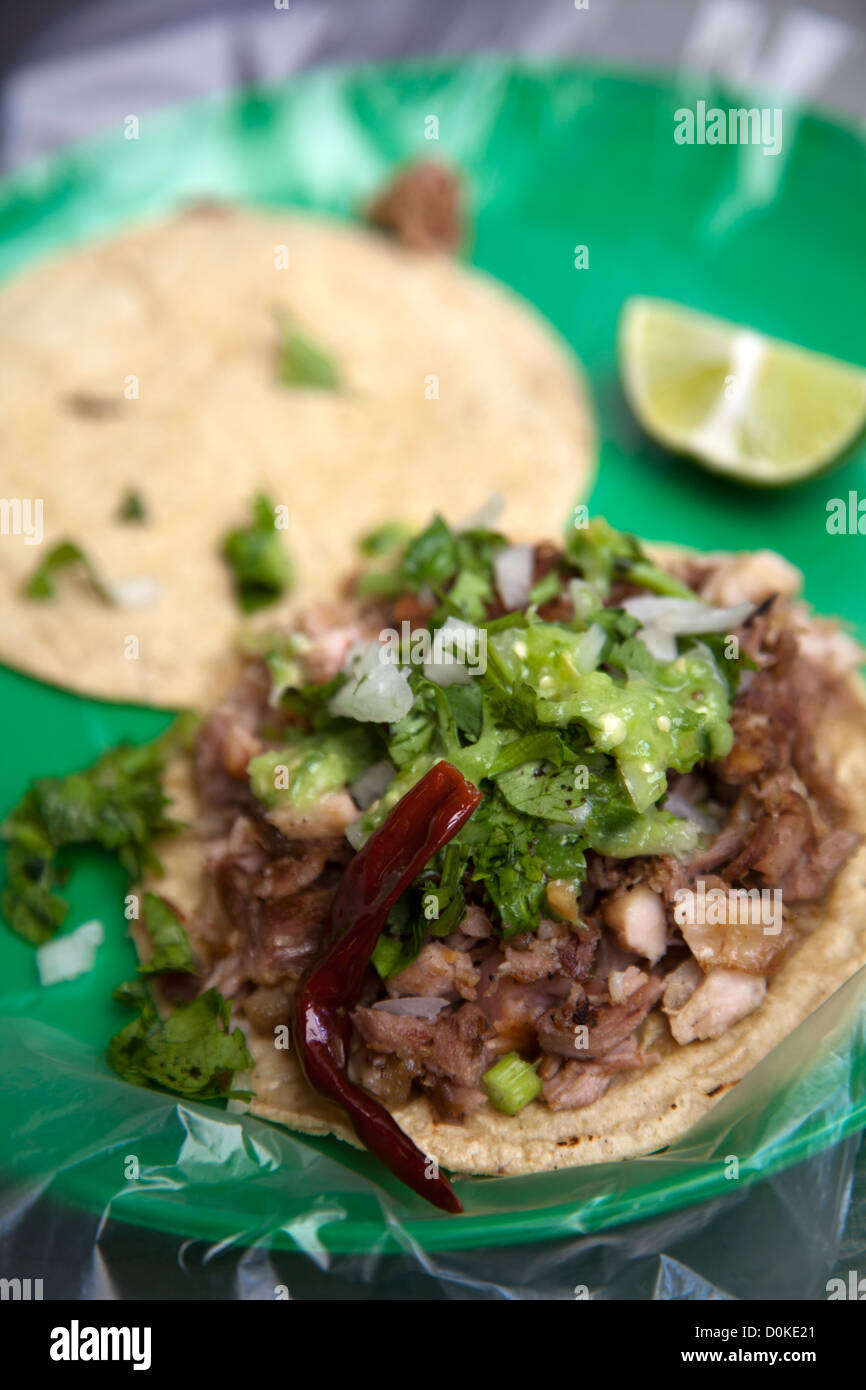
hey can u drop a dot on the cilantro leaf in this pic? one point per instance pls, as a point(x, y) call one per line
point(171, 948)
point(455, 565)
point(64, 555)
point(515, 856)
point(385, 539)
point(431, 558)
point(433, 906)
point(464, 702)
point(305, 363)
point(414, 733)
point(191, 1052)
point(536, 789)
point(256, 554)
point(117, 803)
point(601, 554)
point(132, 507)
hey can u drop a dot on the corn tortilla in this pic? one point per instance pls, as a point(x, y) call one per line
point(452, 388)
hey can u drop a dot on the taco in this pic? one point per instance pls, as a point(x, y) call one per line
point(152, 386)
point(659, 876)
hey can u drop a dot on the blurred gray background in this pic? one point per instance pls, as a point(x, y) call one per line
point(70, 70)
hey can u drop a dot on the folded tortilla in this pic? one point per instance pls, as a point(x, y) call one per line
point(149, 362)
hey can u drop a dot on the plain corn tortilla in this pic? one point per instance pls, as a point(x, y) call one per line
point(454, 388)
point(642, 1111)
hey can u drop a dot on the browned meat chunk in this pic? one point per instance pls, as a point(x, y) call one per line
point(421, 208)
point(439, 972)
point(576, 1084)
point(385, 1076)
point(561, 1030)
point(405, 1036)
point(460, 1049)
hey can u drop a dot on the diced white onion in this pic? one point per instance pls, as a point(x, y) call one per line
point(356, 834)
point(453, 642)
point(683, 809)
point(660, 644)
point(69, 956)
point(591, 649)
point(373, 783)
point(417, 1006)
point(141, 592)
point(513, 570)
point(584, 597)
point(685, 615)
point(377, 691)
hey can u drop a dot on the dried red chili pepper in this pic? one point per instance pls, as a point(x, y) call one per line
point(425, 819)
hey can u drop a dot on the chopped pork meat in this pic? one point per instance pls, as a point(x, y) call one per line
point(721, 999)
point(681, 984)
point(326, 817)
point(739, 929)
point(575, 1084)
point(637, 918)
point(751, 577)
point(622, 984)
point(476, 923)
point(574, 995)
point(583, 1029)
point(439, 971)
point(406, 1037)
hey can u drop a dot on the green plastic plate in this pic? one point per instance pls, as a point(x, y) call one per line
point(556, 159)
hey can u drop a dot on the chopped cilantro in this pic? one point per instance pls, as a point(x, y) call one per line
point(570, 732)
point(546, 589)
point(117, 803)
point(191, 1052)
point(454, 566)
point(515, 855)
point(385, 539)
point(305, 363)
point(132, 507)
point(65, 555)
point(171, 949)
point(601, 555)
point(262, 568)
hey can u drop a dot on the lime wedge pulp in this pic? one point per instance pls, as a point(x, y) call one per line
point(761, 410)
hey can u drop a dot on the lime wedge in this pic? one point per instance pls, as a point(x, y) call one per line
point(763, 411)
